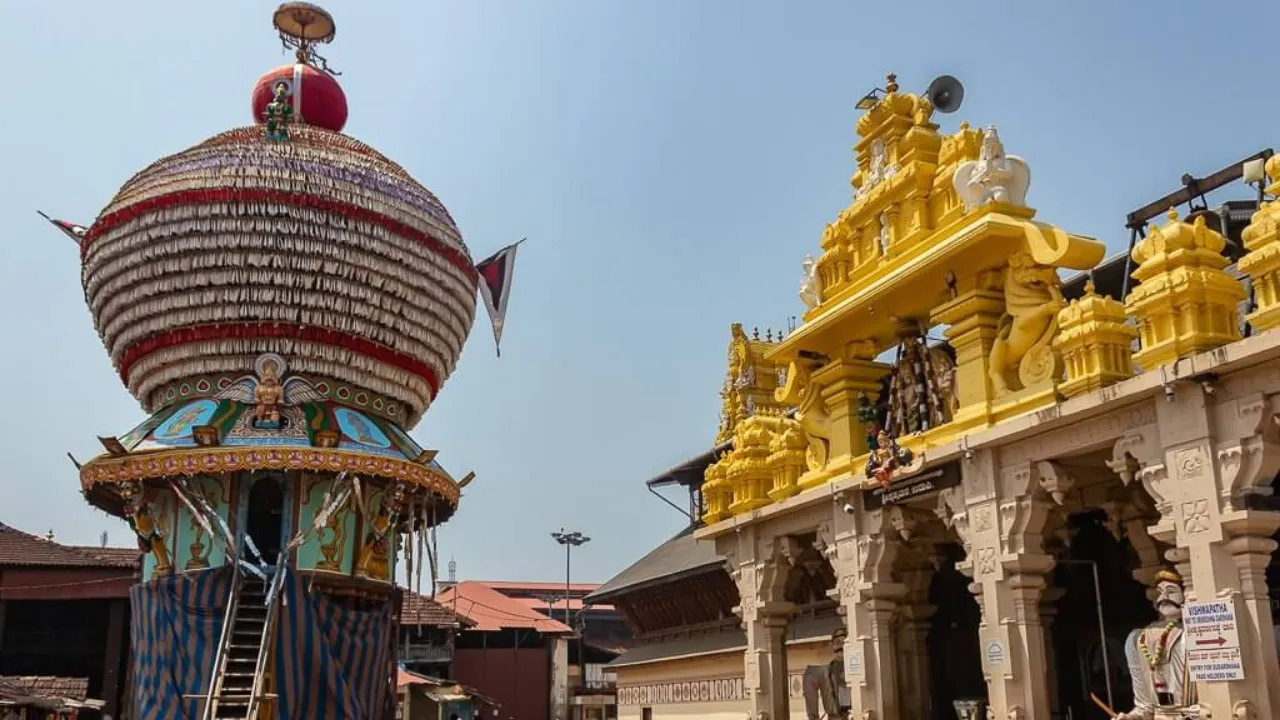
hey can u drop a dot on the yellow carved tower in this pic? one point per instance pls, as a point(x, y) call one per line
point(1186, 302)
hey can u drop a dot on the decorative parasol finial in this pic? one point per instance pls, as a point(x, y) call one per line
point(302, 26)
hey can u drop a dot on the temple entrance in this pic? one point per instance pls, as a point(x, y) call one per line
point(953, 637)
point(1098, 604)
point(265, 522)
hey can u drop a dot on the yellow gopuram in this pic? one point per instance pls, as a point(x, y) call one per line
point(939, 240)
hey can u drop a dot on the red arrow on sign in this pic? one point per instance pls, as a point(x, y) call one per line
point(1216, 641)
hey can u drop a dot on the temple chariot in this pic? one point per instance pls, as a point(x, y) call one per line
point(285, 303)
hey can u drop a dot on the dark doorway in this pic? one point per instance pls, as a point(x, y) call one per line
point(1077, 639)
point(955, 668)
point(266, 513)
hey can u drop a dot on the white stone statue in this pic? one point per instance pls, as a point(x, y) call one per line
point(994, 176)
point(1157, 656)
point(880, 167)
point(811, 285)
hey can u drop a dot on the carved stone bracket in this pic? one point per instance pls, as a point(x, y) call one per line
point(954, 515)
point(1055, 480)
point(1249, 467)
point(1139, 455)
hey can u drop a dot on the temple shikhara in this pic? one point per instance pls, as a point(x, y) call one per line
point(285, 303)
point(990, 473)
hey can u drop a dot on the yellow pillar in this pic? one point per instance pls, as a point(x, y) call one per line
point(973, 317)
point(843, 384)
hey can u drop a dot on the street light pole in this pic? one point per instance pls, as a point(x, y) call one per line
point(569, 540)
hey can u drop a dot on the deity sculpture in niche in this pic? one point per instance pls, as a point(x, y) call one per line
point(268, 395)
point(1023, 353)
point(921, 388)
point(811, 285)
point(1157, 655)
point(886, 459)
point(375, 555)
point(994, 176)
point(150, 539)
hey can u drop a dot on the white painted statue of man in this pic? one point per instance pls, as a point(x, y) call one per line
point(1162, 688)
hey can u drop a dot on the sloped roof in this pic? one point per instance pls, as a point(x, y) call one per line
point(20, 549)
point(678, 557)
point(421, 610)
point(490, 610)
point(515, 586)
point(551, 604)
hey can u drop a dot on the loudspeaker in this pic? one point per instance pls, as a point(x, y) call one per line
point(946, 93)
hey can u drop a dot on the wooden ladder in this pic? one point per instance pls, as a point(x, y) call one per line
point(237, 688)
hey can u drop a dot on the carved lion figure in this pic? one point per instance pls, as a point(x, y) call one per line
point(1023, 354)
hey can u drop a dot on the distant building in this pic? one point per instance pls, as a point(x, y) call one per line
point(427, 632)
point(64, 621)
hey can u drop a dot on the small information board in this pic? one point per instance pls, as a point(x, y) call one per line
point(1212, 641)
point(995, 652)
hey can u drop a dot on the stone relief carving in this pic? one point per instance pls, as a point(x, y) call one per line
point(1195, 516)
point(986, 561)
point(1190, 462)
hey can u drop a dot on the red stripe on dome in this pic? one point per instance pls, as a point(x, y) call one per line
point(289, 331)
point(258, 195)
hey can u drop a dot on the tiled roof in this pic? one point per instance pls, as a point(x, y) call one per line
point(490, 610)
point(514, 586)
point(421, 610)
point(20, 549)
point(17, 687)
point(550, 604)
point(680, 556)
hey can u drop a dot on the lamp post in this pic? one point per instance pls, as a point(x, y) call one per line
point(569, 540)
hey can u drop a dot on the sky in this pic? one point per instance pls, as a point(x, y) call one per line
point(670, 161)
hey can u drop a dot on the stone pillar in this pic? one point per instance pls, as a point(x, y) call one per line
point(1210, 462)
point(759, 567)
point(1049, 611)
point(863, 552)
point(914, 620)
point(1006, 521)
point(914, 687)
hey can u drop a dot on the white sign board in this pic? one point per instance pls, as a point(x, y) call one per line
point(995, 652)
point(1212, 641)
point(853, 665)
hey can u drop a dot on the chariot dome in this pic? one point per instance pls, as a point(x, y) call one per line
point(285, 302)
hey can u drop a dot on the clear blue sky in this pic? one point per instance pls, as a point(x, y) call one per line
point(671, 162)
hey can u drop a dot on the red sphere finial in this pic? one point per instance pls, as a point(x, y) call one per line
point(316, 96)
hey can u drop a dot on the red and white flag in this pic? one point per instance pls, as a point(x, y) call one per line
point(495, 274)
point(72, 230)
